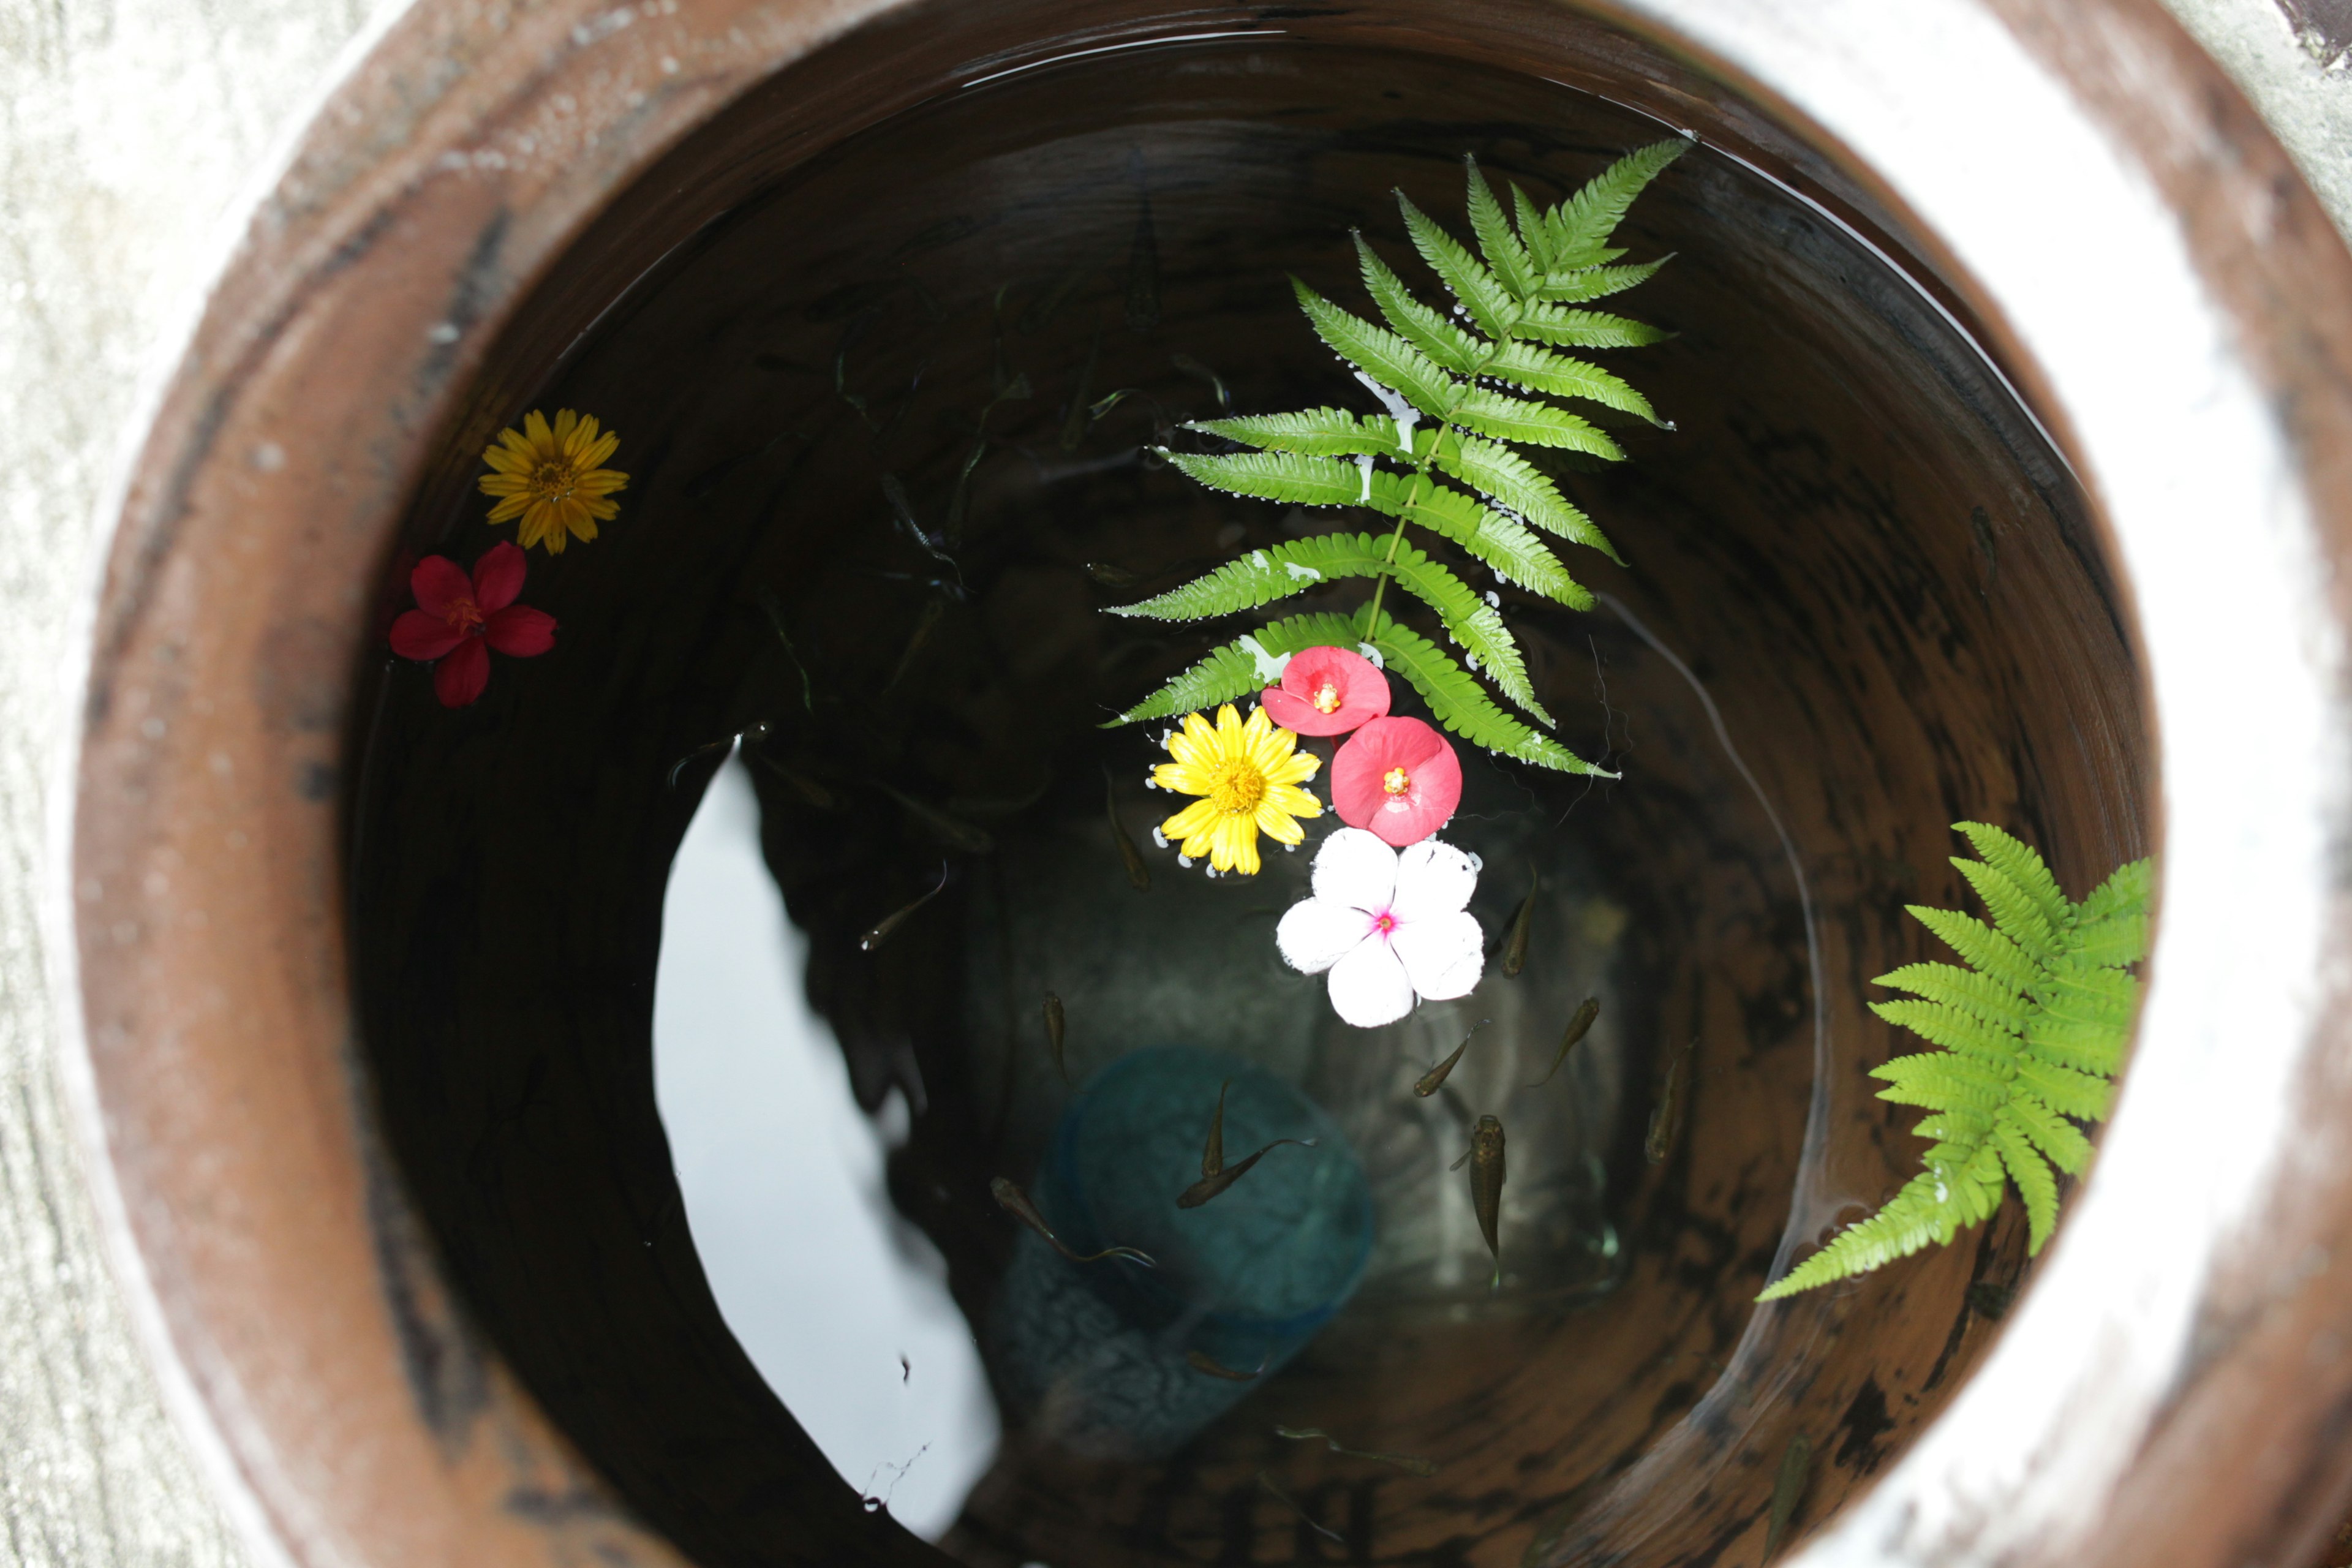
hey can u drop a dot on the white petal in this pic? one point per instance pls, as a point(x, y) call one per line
point(1314, 935)
point(1443, 957)
point(1355, 868)
point(1368, 987)
point(1433, 880)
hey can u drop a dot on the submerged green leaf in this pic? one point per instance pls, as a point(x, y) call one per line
point(2028, 1037)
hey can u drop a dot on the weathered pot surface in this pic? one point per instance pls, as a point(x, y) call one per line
point(2160, 322)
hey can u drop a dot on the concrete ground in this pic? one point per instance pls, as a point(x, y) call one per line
point(131, 133)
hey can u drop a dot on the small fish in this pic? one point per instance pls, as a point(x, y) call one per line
point(1201, 1361)
point(1191, 366)
point(1111, 576)
point(1485, 1156)
point(1055, 1023)
point(773, 608)
point(1075, 422)
point(1434, 1076)
point(950, 831)
point(1139, 874)
point(906, 1367)
point(1110, 400)
point(1015, 1202)
point(1304, 1517)
point(1666, 1120)
point(925, 623)
point(1789, 1491)
point(1578, 1022)
point(1143, 269)
point(1214, 1175)
point(752, 736)
point(891, 922)
point(1514, 952)
point(1402, 1461)
point(1046, 306)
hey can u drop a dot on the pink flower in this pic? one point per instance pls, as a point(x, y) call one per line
point(457, 621)
point(1328, 691)
point(1398, 777)
point(1388, 928)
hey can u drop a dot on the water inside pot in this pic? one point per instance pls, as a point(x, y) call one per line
point(873, 523)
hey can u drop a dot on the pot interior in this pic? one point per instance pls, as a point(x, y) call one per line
point(850, 336)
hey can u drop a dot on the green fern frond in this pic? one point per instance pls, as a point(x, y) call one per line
point(1598, 282)
point(1458, 703)
point(1427, 330)
point(1475, 625)
point(1322, 432)
point(1243, 668)
point(1510, 481)
point(1262, 576)
point(1482, 294)
point(1564, 328)
point(1509, 550)
point(1298, 477)
point(1489, 412)
point(1952, 986)
point(1439, 375)
point(2029, 1039)
point(1583, 224)
point(1380, 353)
point(1540, 369)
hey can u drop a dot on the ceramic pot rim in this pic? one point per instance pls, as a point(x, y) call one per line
point(2154, 276)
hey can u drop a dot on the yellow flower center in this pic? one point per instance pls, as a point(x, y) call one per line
point(1326, 699)
point(1239, 787)
point(553, 478)
point(1397, 781)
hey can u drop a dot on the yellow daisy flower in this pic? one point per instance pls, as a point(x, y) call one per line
point(1248, 776)
point(551, 479)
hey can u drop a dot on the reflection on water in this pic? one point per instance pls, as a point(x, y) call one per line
point(821, 1281)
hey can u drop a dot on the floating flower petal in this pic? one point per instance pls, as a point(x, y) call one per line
point(459, 620)
point(1248, 776)
point(1386, 927)
point(1328, 691)
point(552, 479)
point(1397, 778)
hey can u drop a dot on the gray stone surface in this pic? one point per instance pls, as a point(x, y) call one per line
point(2299, 84)
point(129, 130)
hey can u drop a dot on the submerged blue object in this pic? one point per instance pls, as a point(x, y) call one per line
point(1100, 1351)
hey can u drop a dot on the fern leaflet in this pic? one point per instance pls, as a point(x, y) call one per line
point(1440, 378)
point(2030, 1037)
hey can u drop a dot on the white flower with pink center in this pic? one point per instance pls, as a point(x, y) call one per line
point(1389, 927)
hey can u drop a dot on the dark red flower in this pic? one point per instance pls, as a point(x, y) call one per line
point(1397, 778)
point(1328, 691)
point(457, 621)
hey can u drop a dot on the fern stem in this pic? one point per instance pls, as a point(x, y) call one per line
point(1445, 427)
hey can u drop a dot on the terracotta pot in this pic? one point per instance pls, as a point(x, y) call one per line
point(2028, 498)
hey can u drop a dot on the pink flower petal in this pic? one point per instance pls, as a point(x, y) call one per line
point(1433, 878)
point(441, 587)
point(1356, 684)
point(1355, 870)
point(1432, 776)
point(1314, 935)
point(460, 678)
point(1443, 957)
point(520, 630)
point(416, 635)
point(498, 576)
point(1368, 987)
